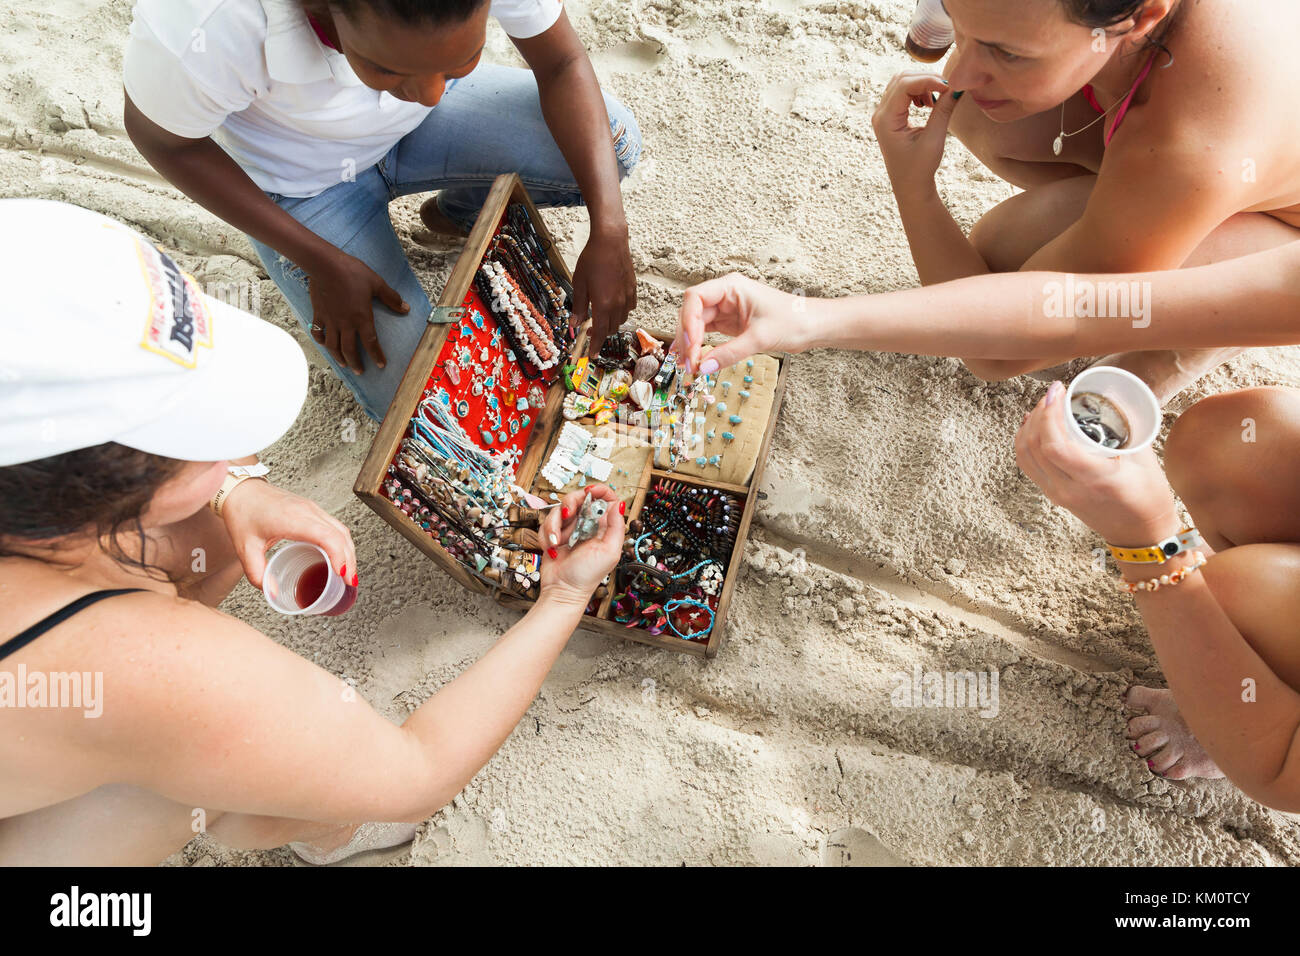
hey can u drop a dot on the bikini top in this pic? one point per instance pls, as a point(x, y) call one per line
point(1091, 97)
point(16, 644)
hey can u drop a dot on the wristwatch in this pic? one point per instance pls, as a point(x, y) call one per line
point(1159, 553)
point(237, 475)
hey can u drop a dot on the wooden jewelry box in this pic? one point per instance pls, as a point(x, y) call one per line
point(685, 464)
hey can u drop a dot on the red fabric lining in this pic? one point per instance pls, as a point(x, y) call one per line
point(478, 403)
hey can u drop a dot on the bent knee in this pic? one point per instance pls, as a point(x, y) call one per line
point(1228, 440)
point(627, 136)
point(1009, 234)
point(1242, 234)
point(990, 235)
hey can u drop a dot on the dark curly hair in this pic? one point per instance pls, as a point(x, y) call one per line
point(104, 489)
point(416, 12)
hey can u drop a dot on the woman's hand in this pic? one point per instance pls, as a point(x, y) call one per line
point(343, 291)
point(1127, 499)
point(912, 153)
point(761, 318)
point(572, 574)
point(605, 279)
point(258, 515)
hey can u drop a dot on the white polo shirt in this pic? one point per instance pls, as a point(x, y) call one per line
point(253, 75)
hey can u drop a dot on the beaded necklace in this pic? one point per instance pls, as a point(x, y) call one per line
point(517, 317)
point(674, 556)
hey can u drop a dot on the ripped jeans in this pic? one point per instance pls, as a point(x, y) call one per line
point(487, 123)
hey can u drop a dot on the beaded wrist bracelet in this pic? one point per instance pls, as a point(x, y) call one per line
point(1165, 580)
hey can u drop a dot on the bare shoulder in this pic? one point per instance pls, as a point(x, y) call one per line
point(142, 629)
point(112, 678)
point(1230, 67)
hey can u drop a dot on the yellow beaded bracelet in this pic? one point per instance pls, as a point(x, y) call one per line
point(1165, 580)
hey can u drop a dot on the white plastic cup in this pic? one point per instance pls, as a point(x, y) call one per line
point(283, 572)
point(931, 27)
point(1128, 393)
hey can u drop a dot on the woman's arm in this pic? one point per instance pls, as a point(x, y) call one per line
point(206, 711)
point(254, 728)
point(1251, 301)
point(1154, 202)
point(1255, 739)
point(1128, 502)
point(939, 247)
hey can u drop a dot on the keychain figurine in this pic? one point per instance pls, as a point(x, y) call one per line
point(589, 515)
point(667, 372)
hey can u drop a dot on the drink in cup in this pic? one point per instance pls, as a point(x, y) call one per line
point(299, 580)
point(1111, 412)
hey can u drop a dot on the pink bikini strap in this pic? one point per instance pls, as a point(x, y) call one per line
point(1128, 100)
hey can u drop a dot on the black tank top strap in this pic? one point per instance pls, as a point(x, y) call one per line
point(16, 644)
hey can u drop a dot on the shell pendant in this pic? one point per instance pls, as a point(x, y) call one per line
point(1058, 145)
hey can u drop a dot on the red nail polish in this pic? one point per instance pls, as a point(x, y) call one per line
point(564, 513)
point(343, 572)
point(622, 507)
point(1135, 746)
point(1150, 765)
point(355, 579)
point(552, 553)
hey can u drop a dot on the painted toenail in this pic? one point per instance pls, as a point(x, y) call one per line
point(1135, 746)
point(1151, 765)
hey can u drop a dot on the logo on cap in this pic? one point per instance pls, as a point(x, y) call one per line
point(179, 321)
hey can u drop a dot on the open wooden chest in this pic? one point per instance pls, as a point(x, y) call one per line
point(533, 422)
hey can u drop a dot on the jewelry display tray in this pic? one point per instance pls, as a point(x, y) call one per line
point(545, 430)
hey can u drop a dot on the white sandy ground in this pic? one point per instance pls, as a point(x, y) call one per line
point(921, 542)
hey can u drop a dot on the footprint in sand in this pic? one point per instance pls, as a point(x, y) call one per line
point(330, 474)
point(788, 496)
point(635, 56)
point(854, 847)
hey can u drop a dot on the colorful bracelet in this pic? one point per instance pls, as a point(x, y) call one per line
point(1159, 553)
point(1165, 580)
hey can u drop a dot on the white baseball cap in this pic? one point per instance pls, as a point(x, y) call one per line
point(103, 338)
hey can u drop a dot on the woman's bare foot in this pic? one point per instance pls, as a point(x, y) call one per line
point(438, 229)
point(1168, 373)
point(1162, 738)
point(352, 840)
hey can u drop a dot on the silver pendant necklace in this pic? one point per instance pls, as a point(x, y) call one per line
point(1058, 144)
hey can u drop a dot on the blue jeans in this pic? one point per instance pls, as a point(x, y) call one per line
point(487, 123)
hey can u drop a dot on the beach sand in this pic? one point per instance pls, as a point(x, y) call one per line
point(895, 535)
